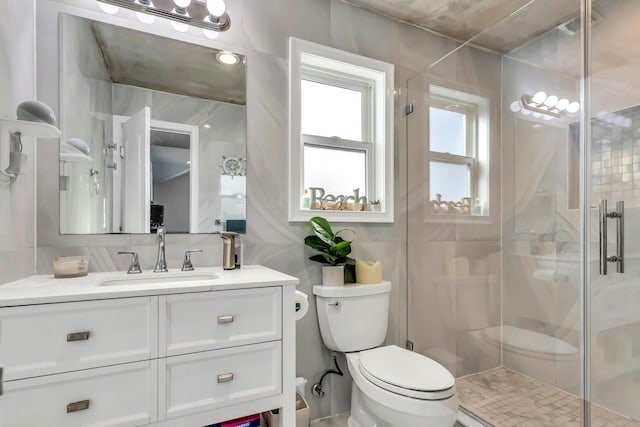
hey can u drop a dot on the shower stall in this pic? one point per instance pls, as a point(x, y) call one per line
point(523, 172)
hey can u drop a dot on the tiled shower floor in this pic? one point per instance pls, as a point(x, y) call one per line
point(506, 398)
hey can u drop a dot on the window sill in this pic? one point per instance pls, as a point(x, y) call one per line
point(343, 216)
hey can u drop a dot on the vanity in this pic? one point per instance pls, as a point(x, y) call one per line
point(169, 349)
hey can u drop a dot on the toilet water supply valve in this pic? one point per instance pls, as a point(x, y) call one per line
point(317, 388)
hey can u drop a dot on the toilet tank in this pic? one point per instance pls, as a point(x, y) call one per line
point(353, 317)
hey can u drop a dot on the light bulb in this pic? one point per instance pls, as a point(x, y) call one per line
point(109, 8)
point(525, 112)
point(515, 106)
point(574, 107)
point(547, 117)
point(216, 7)
point(211, 35)
point(144, 18)
point(180, 27)
point(562, 104)
point(539, 97)
point(536, 115)
point(182, 3)
point(227, 58)
point(551, 101)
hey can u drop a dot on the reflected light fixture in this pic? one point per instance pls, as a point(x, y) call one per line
point(546, 106)
point(210, 16)
point(227, 58)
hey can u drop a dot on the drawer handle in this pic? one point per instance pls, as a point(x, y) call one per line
point(225, 319)
point(225, 378)
point(82, 405)
point(78, 336)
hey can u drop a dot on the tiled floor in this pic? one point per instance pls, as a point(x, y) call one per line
point(506, 398)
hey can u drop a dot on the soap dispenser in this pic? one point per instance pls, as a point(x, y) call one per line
point(230, 252)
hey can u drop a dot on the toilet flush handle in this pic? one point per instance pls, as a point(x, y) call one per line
point(334, 304)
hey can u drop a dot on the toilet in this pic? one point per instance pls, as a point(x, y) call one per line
point(392, 387)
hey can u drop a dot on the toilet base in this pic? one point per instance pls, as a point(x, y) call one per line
point(366, 412)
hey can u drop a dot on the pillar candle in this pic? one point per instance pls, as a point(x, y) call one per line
point(368, 272)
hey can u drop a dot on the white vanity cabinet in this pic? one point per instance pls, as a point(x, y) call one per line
point(176, 357)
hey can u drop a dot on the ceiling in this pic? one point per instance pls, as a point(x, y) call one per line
point(464, 19)
point(146, 60)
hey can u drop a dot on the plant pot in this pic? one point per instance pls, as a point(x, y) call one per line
point(333, 275)
point(376, 208)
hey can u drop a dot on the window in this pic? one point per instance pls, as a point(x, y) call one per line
point(458, 155)
point(341, 135)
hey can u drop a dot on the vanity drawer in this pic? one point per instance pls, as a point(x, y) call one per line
point(53, 338)
point(212, 320)
point(203, 381)
point(117, 396)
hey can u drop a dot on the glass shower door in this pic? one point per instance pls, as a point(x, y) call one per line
point(613, 186)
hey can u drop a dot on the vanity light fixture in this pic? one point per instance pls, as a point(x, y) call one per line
point(209, 15)
point(227, 58)
point(545, 106)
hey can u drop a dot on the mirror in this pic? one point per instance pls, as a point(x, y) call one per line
point(154, 133)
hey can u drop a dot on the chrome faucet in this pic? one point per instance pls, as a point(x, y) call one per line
point(161, 261)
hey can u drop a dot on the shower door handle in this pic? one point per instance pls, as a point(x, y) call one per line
point(603, 216)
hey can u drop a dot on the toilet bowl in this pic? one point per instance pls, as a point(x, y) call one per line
point(392, 387)
point(396, 387)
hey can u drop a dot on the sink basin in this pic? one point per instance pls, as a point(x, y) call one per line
point(157, 278)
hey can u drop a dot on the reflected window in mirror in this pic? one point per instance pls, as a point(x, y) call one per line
point(341, 135)
point(458, 156)
point(161, 119)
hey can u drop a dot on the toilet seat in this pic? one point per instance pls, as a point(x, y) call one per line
point(406, 373)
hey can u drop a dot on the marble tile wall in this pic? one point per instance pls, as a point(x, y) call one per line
point(260, 30)
point(17, 84)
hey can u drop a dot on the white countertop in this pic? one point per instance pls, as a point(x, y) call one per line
point(45, 289)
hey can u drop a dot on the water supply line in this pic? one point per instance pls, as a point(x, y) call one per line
point(317, 388)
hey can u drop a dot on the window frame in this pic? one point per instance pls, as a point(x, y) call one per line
point(374, 79)
point(362, 85)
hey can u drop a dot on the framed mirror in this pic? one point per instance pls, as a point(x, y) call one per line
point(154, 133)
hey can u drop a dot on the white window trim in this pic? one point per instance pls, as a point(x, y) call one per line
point(304, 57)
point(478, 139)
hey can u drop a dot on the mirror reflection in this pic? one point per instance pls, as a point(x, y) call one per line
point(154, 133)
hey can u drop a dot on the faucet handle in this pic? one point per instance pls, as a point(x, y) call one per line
point(186, 264)
point(134, 268)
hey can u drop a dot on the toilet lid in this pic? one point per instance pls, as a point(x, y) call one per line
point(405, 372)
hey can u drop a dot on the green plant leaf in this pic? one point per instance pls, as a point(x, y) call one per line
point(316, 243)
point(341, 249)
point(321, 258)
point(322, 229)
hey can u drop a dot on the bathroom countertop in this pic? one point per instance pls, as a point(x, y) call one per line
point(45, 289)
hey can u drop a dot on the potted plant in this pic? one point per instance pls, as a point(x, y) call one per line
point(338, 267)
point(375, 205)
